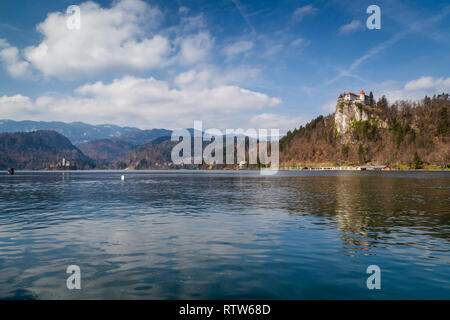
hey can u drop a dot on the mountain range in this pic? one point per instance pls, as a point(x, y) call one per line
point(404, 134)
point(79, 132)
point(40, 144)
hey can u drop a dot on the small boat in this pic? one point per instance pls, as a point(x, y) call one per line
point(11, 171)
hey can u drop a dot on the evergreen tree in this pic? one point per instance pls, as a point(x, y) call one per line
point(361, 153)
point(371, 101)
point(345, 149)
point(417, 162)
point(382, 103)
point(442, 125)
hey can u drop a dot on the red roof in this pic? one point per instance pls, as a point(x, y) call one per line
point(353, 94)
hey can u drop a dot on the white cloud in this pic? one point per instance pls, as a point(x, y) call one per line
point(192, 23)
point(195, 79)
point(351, 27)
point(301, 12)
point(238, 48)
point(273, 50)
point(276, 121)
point(186, 78)
point(209, 76)
point(123, 38)
point(17, 107)
point(143, 102)
point(297, 41)
point(12, 62)
point(416, 89)
point(109, 39)
point(183, 10)
point(429, 83)
point(126, 39)
point(194, 48)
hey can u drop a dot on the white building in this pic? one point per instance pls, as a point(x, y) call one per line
point(350, 96)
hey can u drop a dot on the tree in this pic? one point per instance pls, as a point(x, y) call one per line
point(442, 126)
point(382, 103)
point(371, 101)
point(417, 162)
point(345, 149)
point(361, 153)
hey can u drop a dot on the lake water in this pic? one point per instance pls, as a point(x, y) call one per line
point(225, 235)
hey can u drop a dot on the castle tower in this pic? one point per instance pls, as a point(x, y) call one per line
point(362, 96)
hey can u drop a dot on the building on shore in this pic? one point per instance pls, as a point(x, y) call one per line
point(350, 96)
point(375, 168)
point(346, 168)
point(63, 165)
point(242, 164)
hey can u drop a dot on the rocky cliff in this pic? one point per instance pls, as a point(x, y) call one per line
point(350, 114)
point(403, 134)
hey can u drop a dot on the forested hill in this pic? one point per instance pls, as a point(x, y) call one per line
point(404, 134)
point(39, 150)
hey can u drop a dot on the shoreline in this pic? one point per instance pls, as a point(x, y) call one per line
point(233, 170)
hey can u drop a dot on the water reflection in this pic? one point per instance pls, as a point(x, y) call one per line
point(374, 208)
point(224, 234)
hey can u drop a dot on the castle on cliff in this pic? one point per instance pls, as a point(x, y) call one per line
point(350, 96)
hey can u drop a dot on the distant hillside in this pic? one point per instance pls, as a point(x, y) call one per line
point(107, 151)
point(76, 132)
point(154, 155)
point(157, 155)
point(141, 137)
point(39, 150)
point(404, 134)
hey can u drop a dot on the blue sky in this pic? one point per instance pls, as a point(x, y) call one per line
point(230, 63)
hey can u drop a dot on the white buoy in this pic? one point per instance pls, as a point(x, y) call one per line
point(122, 178)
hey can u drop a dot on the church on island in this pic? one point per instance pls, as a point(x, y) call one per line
point(350, 96)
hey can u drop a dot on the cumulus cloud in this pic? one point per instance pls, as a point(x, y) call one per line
point(197, 79)
point(351, 27)
point(124, 38)
point(301, 12)
point(417, 89)
point(429, 83)
point(12, 106)
point(11, 60)
point(143, 102)
point(109, 39)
